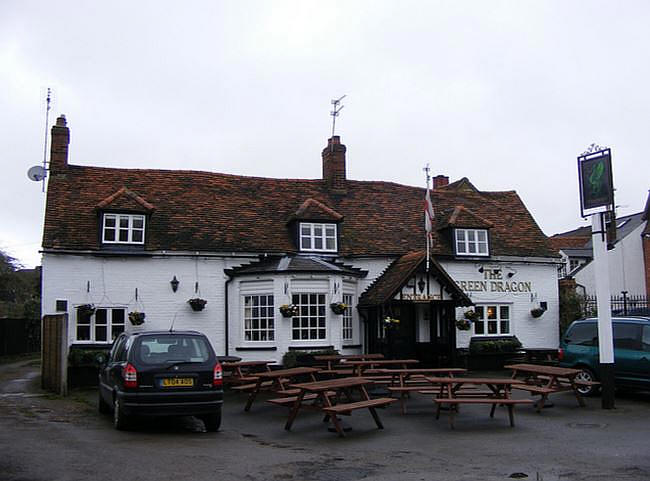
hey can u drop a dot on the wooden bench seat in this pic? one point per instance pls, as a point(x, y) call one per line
point(251, 387)
point(289, 400)
point(509, 403)
point(347, 408)
point(535, 389)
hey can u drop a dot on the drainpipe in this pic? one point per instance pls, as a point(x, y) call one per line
point(227, 330)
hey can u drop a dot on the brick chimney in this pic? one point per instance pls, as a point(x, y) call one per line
point(334, 163)
point(59, 146)
point(440, 181)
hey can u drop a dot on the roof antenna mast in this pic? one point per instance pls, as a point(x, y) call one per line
point(47, 118)
point(335, 113)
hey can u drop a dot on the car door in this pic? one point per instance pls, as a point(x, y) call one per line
point(640, 366)
point(627, 350)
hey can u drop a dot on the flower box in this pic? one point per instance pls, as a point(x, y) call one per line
point(197, 304)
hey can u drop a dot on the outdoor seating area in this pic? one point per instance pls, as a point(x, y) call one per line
point(345, 384)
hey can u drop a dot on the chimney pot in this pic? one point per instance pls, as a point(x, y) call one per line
point(60, 122)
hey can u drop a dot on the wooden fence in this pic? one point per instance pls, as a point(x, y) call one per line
point(19, 336)
point(54, 375)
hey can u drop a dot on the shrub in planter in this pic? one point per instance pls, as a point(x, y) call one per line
point(197, 304)
point(291, 358)
point(507, 345)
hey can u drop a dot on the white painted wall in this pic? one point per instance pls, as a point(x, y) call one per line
point(113, 282)
point(542, 332)
point(626, 267)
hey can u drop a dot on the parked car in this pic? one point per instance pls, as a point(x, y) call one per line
point(579, 349)
point(161, 373)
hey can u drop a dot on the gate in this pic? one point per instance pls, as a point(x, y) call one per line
point(55, 354)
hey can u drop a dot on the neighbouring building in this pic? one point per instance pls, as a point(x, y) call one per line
point(628, 255)
point(126, 240)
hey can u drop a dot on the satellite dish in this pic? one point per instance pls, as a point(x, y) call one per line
point(37, 173)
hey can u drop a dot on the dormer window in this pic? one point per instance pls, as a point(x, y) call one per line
point(317, 237)
point(123, 229)
point(471, 242)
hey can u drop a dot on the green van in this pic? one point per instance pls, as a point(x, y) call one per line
point(579, 349)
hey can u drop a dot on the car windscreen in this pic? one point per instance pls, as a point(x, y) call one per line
point(172, 348)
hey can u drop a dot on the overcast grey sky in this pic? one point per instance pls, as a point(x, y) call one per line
point(506, 93)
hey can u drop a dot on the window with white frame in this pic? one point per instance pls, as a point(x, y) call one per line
point(471, 242)
point(493, 320)
point(123, 229)
point(104, 325)
point(259, 318)
point(317, 237)
point(348, 330)
point(309, 324)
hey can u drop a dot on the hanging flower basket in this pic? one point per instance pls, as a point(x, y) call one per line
point(471, 315)
point(338, 307)
point(85, 310)
point(537, 312)
point(197, 304)
point(136, 317)
point(289, 310)
point(463, 324)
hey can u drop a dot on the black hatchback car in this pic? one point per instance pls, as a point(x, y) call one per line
point(161, 373)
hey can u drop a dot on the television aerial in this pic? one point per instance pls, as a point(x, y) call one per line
point(39, 173)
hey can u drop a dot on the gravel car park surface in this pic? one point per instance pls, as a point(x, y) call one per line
point(45, 437)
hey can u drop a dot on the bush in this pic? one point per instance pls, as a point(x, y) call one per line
point(291, 358)
point(85, 357)
point(494, 346)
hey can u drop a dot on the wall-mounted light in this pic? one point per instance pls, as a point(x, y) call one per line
point(480, 269)
point(510, 274)
point(174, 282)
point(421, 285)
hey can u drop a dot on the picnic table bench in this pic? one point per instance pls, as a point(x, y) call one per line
point(241, 372)
point(333, 360)
point(276, 380)
point(325, 391)
point(407, 380)
point(545, 380)
point(499, 394)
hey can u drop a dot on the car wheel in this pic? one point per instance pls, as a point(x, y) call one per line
point(586, 375)
point(212, 422)
point(104, 408)
point(120, 420)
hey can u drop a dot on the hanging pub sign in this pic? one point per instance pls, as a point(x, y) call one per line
point(596, 184)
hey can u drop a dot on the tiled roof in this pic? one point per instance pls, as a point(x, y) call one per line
point(398, 273)
point(205, 211)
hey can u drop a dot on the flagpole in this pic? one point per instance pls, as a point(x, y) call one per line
point(426, 232)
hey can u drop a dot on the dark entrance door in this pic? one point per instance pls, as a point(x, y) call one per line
point(400, 338)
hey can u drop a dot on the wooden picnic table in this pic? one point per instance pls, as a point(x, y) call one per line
point(324, 391)
point(500, 389)
point(545, 380)
point(244, 371)
point(278, 381)
point(406, 380)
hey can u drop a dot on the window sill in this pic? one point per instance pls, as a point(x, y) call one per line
point(256, 348)
point(309, 347)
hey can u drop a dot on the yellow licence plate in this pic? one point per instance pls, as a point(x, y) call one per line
point(177, 381)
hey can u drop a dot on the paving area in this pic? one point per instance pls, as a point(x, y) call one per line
point(44, 437)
